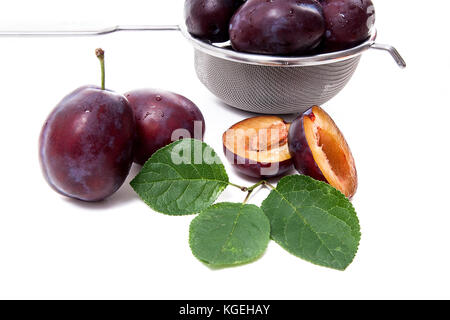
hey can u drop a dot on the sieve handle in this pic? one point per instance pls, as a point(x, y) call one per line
point(394, 53)
point(82, 33)
point(120, 28)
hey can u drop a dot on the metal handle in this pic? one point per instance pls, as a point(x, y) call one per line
point(394, 53)
point(82, 33)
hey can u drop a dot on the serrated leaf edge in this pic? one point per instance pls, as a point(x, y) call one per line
point(339, 194)
point(237, 263)
point(133, 182)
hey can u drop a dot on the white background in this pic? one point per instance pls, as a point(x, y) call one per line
point(396, 122)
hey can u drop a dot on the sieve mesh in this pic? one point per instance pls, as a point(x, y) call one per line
point(271, 89)
point(258, 83)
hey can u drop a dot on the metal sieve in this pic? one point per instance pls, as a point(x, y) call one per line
point(259, 83)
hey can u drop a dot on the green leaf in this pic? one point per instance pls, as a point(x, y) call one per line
point(182, 178)
point(229, 234)
point(314, 221)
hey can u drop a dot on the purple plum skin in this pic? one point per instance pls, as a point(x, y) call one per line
point(278, 27)
point(348, 23)
point(300, 151)
point(158, 114)
point(86, 144)
point(209, 19)
point(252, 169)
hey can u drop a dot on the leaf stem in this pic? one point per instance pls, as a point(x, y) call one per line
point(249, 193)
point(262, 182)
point(252, 188)
point(244, 189)
point(101, 56)
point(269, 185)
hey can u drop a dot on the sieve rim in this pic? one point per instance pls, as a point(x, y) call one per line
point(278, 61)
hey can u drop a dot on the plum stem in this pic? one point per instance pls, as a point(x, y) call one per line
point(101, 56)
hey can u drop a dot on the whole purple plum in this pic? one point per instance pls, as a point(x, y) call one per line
point(348, 22)
point(86, 144)
point(279, 27)
point(158, 114)
point(209, 19)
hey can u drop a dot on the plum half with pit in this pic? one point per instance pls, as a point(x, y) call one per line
point(209, 19)
point(278, 27)
point(162, 117)
point(348, 22)
point(86, 143)
point(319, 150)
point(257, 147)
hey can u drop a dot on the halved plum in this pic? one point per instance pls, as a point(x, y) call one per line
point(319, 150)
point(258, 147)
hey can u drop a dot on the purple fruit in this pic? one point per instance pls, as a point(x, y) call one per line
point(319, 150)
point(349, 22)
point(86, 144)
point(209, 19)
point(158, 115)
point(258, 146)
point(278, 27)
